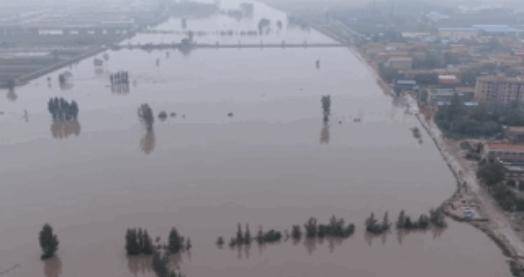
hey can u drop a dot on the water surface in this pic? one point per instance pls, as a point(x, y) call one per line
point(274, 164)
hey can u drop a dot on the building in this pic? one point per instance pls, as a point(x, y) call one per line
point(506, 152)
point(499, 90)
point(443, 96)
point(510, 156)
point(496, 29)
point(405, 85)
point(448, 80)
point(400, 63)
point(458, 33)
point(514, 134)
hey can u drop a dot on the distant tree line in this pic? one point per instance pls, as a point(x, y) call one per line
point(335, 228)
point(60, 109)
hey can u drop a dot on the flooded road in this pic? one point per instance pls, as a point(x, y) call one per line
point(272, 163)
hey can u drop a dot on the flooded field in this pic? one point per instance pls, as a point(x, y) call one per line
point(271, 162)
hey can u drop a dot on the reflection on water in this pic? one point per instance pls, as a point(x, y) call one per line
point(139, 265)
point(99, 71)
point(324, 133)
point(67, 85)
point(120, 89)
point(61, 129)
point(148, 142)
point(369, 238)
point(53, 267)
point(11, 95)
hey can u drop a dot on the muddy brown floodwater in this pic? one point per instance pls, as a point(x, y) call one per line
point(273, 163)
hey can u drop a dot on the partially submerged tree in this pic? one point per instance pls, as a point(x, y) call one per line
point(48, 242)
point(145, 113)
point(138, 242)
point(175, 241)
point(326, 107)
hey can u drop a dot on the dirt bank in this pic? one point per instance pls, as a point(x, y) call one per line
point(472, 204)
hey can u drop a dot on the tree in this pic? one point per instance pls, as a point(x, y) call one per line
point(48, 242)
point(145, 113)
point(175, 241)
point(220, 241)
point(132, 244)
point(147, 244)
point(326, 107)
point(240, 236)
point(491, 173)
point(311, 227)
point(296, 233)
point(263, 24)
point(247, 235)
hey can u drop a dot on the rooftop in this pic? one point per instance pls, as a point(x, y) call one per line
point(501, 146)
point(515, 129)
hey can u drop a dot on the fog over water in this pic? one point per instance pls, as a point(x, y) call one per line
point(273, 163)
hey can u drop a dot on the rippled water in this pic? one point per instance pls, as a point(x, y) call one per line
point(273, 163)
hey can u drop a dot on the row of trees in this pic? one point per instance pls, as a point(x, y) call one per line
point(436, 218)
point(336, 228)
point(61, 109)
point(138, 242)
point(243, 237)
point(373, 226)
